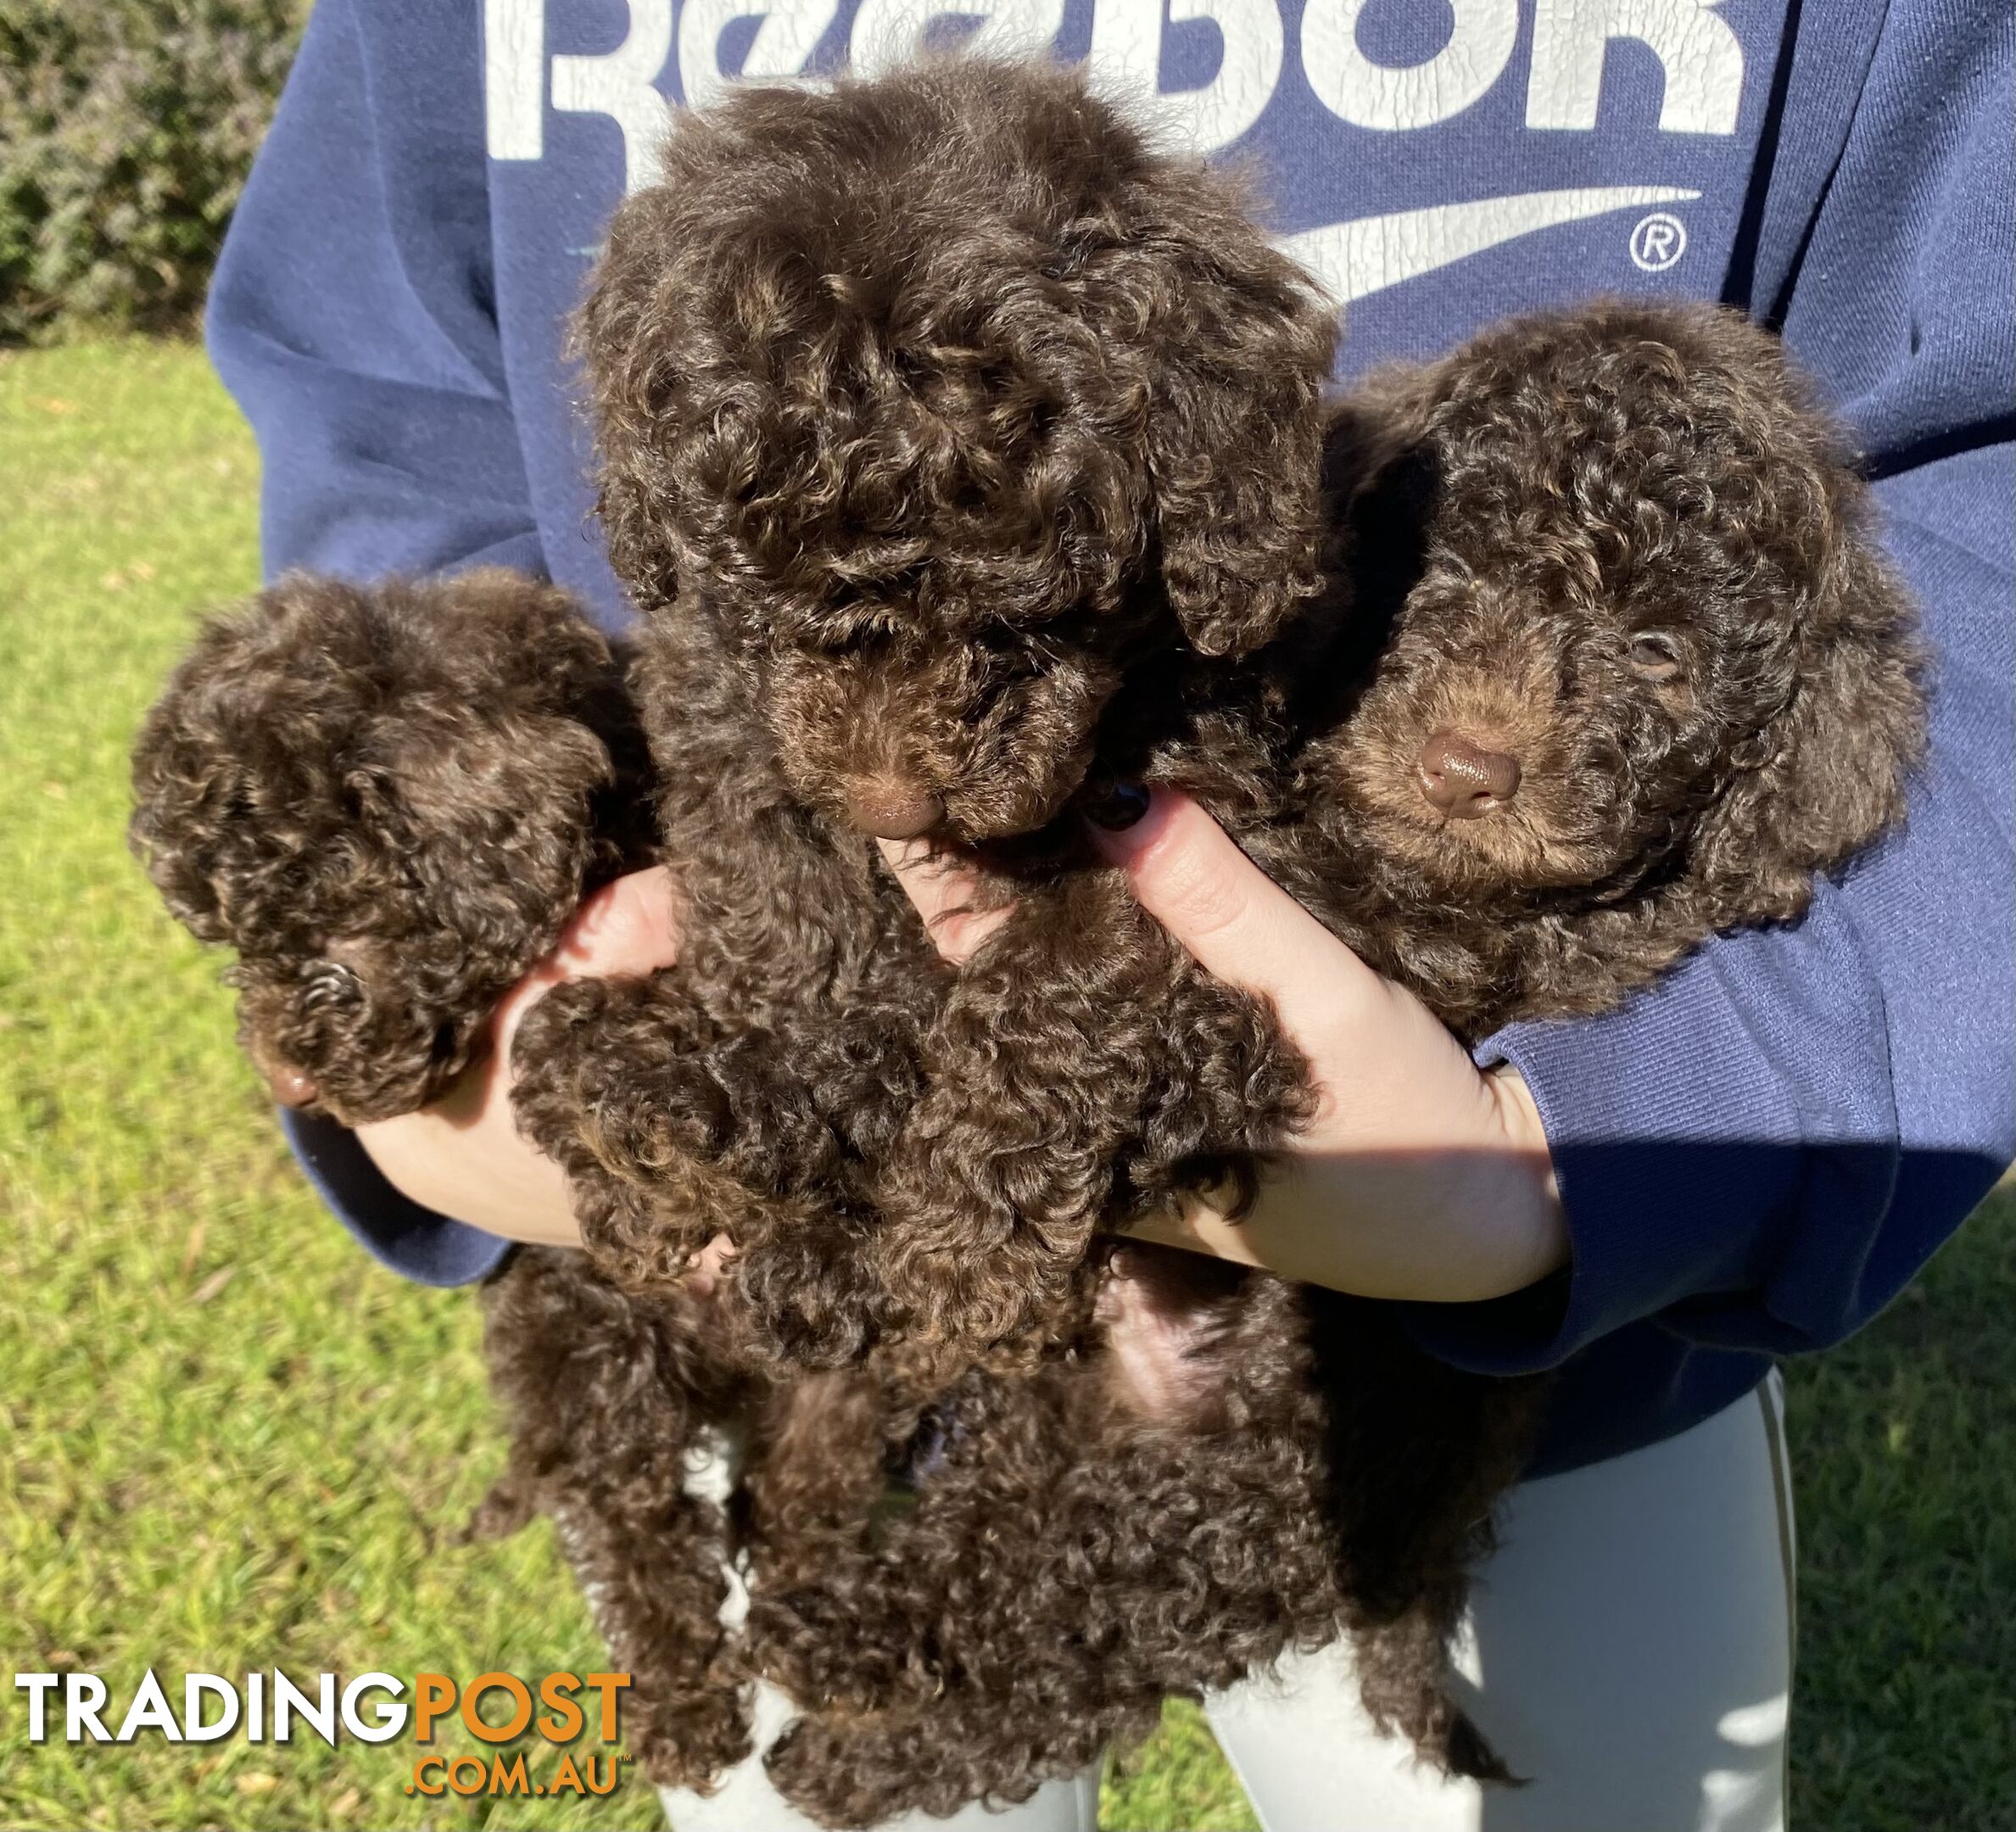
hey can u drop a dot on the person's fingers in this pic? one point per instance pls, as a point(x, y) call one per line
point(462, 1156)
point(942, 890)
point(704, 1269)
point(1196, 1227)
point(1239, 925)
point(630, 925)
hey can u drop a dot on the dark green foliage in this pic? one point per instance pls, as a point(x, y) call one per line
point(126, 129)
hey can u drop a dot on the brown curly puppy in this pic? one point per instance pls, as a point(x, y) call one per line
point(387, 802)
point(943, 406)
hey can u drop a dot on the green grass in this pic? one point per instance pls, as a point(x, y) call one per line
point(230, 1442)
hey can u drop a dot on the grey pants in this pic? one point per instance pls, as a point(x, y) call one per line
point(1630, 1648)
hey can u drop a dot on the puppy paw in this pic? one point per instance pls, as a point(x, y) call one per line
point(987, 1210)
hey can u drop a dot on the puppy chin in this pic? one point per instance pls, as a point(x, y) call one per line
point(979, 813)
point(1158, 1308)
point(1030, 789)
point(1501, 856)
point(1153, 1371)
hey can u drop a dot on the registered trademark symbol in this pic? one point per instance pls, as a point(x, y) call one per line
point(1658, 242)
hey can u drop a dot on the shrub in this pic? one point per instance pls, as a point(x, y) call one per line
point(126, 129)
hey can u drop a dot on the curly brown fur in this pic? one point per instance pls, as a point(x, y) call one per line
point(1611, 559)
point(1046, 492)
point(1647, 576)
point(915, 382)
point(614, 1398)
point(1026, 1592)
point(1525, 512)
point(726, 1094)
point(607, 1395)
point(386, 801)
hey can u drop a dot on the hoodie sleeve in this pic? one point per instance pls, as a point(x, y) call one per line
point(1761, 1151)
point(352, 316)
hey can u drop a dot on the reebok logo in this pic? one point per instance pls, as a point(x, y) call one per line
point(1700, 59)
point(1354, 260)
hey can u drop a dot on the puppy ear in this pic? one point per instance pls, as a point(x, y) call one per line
point(496, 818)
point(1232, 344)
point(626, 340)
point(1830, 771)
point(1235, 447)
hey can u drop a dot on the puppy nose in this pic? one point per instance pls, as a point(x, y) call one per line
point(291, 1088)
point(891, 807)
point(1463, 780)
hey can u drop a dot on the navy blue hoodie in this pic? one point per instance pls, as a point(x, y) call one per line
point(1756, 1156)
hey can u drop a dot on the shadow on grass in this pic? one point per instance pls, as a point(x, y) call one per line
point(1904, 1454)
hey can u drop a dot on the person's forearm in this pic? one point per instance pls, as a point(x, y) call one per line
point(437, 1157)
point(1446, 1226)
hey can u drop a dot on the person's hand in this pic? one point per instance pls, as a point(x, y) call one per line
point(1419, 1176)
point(941, 890)
point(463, 1156)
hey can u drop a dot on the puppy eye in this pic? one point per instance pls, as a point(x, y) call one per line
point(1654, 658)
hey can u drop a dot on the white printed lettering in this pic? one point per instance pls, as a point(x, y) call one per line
point(149, 1711)
point(1126, 62)
point(1416, 95)
point(786, 40)
point(388, 1720)
point(194, 1686)
point(289, 1701)
point(1353, 260)
point(617, 83)
point(1700, 55)
point(889, 32)
point(37, 1686)
point(83, 1696)
point(514, 78)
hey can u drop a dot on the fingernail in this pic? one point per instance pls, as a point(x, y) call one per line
point(1113, 804)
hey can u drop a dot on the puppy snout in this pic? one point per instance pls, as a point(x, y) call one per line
point(893, 807)
point(263, 1011)
point(291, 1088)
point(1463, 778)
